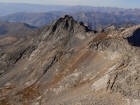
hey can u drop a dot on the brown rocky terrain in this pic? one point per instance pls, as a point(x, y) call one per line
point(66, 63)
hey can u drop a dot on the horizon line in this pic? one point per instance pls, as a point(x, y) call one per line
point(67, 5)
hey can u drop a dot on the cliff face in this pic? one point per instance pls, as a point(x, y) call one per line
point(66, 63)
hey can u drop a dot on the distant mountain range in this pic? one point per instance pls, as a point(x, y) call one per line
point(40, 15)
point(34, 19)
point(10, 8)
point(96, 20)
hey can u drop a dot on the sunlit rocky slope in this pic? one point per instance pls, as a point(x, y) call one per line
point(66, 63)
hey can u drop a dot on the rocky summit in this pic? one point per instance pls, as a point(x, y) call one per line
point(67, 63)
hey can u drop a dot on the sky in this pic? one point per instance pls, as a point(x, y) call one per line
point(102, 3)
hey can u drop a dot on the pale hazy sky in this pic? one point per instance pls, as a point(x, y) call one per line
point(105, 3)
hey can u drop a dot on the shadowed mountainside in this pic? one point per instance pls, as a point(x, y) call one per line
point(15, 28)
point(13, 32)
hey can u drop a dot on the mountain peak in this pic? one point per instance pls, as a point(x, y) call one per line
point(66, 30)
point(67, 16)
point(68, 24)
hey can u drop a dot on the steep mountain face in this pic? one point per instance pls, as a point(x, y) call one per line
point(66, 63)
